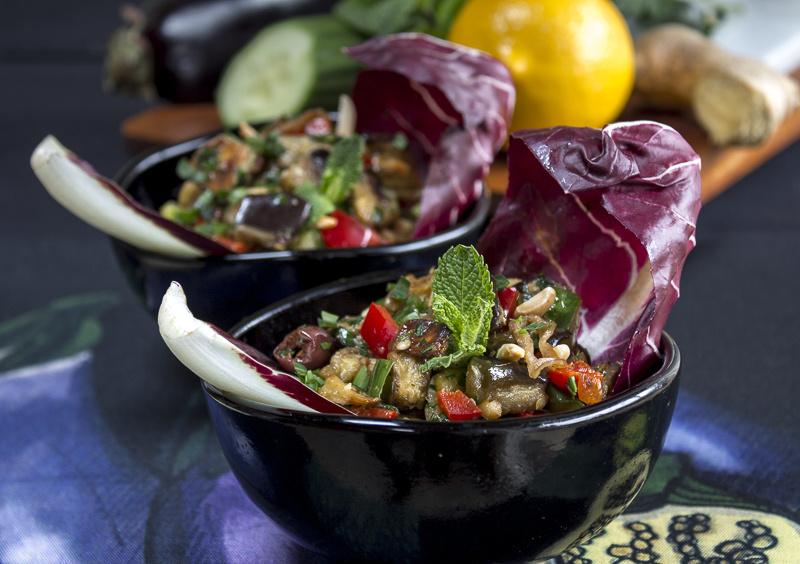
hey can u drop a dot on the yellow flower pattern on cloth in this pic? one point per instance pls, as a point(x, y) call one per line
point(676, 534)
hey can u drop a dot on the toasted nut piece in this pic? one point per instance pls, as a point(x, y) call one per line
point(326, 222)
point(246, 130)
point(510, 352)
point(491, 409)
point(402, 345)
point(538, 304)
point(562, 351)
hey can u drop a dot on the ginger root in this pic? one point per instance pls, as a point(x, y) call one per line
point(735, 100)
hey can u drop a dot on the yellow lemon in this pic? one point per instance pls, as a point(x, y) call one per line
point(572, 60)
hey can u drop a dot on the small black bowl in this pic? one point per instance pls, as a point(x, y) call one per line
point(376, 490)
point(224, 289)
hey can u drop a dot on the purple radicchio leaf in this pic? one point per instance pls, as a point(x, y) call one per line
point(453, 102)
point(103, 204)
point(611, 213)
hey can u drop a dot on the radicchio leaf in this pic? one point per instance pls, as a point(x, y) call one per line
point(231, 365)
point(454, 102)
point(104, 205)
point(610, 213)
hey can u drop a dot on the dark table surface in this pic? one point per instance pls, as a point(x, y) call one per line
point(107, 455)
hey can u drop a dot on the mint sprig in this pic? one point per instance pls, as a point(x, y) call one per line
point(462, 299)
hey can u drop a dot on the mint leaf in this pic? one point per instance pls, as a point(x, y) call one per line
point(320, 205)
point(342, 169)
point(463, 297)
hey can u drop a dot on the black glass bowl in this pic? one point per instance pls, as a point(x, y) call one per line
point(222, 290)
point(377, 490)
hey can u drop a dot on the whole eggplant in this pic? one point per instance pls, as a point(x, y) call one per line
point(177, 49)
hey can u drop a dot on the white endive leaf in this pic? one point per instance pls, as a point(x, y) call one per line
point(102, 204)
point(229, 364)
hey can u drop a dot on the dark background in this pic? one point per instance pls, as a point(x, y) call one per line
point(735, 321)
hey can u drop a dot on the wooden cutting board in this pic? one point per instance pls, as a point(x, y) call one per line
point(169, 124)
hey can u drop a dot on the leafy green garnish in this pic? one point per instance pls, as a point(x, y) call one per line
point(400, 289)
point(328, 320)
point(382, 17)
point(380, 384)
point(342, 169)
point(400, 141)
point(535, 326)
point(361, 379)
point(463, 297)
point(205, 204)
point(270, 146)
point(320, 205)
point(186, 171)
point(500, 281)
point(308, 377)
point(212, 228)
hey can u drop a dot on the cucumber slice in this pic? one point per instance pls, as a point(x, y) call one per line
point(289, 66)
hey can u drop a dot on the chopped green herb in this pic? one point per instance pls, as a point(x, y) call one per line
point(412, 309)
point(308, 377)
point(572, 386)
point(344, 338)
point(400, 141)
point(186, 171)
point(213, 228)
point(500, 281)
point(325, 346)
point(400, 290)
point(269, 146)
point(380, 379)
point(418, 330)
point(361, 381)
point(535, 326)
point(207, 159)
point(320, 205)
point(205, 205)
point(342, 169)
point(236, 195)
point(328, 320)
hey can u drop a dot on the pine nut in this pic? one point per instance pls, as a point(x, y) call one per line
point(326, 222)
point(510, 352)
point(538, 304)
point(562, 351)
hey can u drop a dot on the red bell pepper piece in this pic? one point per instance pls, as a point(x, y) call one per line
point(378, 329)
point(348, 232)
point(457, 406)
point(235, 246)
point(508, 301)
point(375, 412)
point(588, 382)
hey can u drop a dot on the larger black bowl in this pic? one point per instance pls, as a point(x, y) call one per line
point(225, 289)
point(378, 490)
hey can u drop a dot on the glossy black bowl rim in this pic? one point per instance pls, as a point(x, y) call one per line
point(641, 393)
point(471, 222)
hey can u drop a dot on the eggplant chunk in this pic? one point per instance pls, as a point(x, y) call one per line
point(505, 382)
point(345, 364)
point(409, 384)
point(421, 338)
point(273, 212)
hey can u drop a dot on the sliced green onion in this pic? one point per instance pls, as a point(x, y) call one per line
point(328, 320)
point(361, 381)
point(380, 374)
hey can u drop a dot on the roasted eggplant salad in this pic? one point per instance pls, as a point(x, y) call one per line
point(296, 184)
point(453, 345)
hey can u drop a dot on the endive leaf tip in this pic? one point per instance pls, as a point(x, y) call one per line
point(175, 320)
